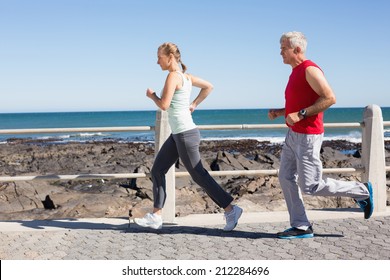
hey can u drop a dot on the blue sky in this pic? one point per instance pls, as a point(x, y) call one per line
point(80, 55)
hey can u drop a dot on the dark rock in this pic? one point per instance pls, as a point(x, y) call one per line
point(48, 203)
point(357, 154)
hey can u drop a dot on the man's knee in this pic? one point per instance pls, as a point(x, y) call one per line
point(285, 177)
point(308, 188)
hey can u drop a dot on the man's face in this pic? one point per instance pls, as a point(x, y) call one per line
point(286, 52)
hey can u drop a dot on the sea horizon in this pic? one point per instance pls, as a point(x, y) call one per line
point(154, 110)
point(121, 118)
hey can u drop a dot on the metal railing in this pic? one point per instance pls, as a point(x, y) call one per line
point(374, 168)
point(152, 128)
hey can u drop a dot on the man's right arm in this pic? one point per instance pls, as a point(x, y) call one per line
point(275, 113)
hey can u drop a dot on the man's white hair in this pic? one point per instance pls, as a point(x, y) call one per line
point(296, 39)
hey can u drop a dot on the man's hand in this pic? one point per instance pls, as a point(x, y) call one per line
point(293, 118)
point(275, 113)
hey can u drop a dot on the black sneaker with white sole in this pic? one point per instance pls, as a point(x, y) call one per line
point(293, 232)
point(367, 205)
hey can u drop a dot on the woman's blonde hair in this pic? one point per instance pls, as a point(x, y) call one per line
point(170, 48)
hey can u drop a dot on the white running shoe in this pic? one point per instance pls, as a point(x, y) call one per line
point(150, 220)
point(232, 218)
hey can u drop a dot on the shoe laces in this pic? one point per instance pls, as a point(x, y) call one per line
point(362, 203)
point(229, 217)
point(150, 217)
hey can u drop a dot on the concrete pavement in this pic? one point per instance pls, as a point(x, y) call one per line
point(339, 234)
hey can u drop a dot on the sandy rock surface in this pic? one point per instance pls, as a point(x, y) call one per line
point(115, 197)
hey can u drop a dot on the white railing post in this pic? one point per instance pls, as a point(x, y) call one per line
point(162, 132)
point(373, 155)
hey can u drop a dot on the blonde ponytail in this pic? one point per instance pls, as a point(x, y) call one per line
point(170, 48)
point(183, 67)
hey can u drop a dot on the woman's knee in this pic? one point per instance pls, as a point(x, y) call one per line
point(157, 171)
point(200, 176)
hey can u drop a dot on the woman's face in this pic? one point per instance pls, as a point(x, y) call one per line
point(163, 60)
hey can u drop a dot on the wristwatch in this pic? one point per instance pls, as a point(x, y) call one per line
point(303, 113)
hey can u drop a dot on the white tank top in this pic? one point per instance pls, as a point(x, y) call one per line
point(179, 114)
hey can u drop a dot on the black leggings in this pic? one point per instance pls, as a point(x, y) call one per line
point(185, 146)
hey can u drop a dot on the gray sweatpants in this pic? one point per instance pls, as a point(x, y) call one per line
point(185, 146)
point(301, 170)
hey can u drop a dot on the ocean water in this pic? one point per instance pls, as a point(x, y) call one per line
point(147, 118)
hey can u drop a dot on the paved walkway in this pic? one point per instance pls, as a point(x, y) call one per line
point(338, 235)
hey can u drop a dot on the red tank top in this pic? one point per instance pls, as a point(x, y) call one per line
point(299, 95)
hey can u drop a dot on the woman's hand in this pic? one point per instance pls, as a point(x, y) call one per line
point(150, 93)
point(192, 107)
point(205, 89)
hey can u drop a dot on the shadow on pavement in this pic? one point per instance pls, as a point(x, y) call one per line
point(173, 229)
point(69, 224)
point(126, 227)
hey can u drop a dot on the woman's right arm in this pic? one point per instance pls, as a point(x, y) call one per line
point(205, 86)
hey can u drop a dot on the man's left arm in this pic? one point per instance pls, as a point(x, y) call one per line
point(316, 79)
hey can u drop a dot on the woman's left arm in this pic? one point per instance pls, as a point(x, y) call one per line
point(205, 89)
point(169, 88)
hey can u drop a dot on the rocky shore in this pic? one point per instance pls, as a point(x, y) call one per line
point(115, 197)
